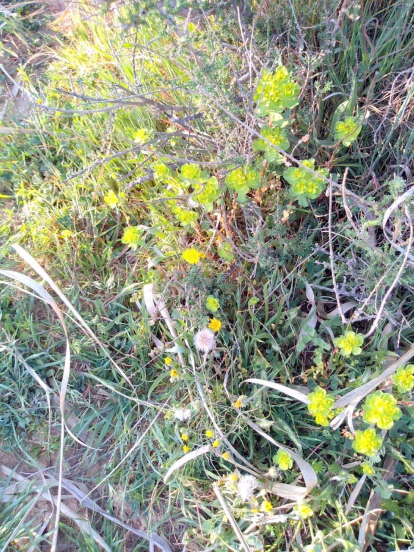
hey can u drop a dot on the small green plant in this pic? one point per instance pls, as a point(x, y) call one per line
point(347, 131)
point(367, 469)
point(225, 252)
point(142, 135)
point(132, 236)
point(190, 172)
point(276, 135)
point(212, 304)
point(304, 184)
point(207, 193)
point(275, 92)
point(161, 171)
point(242, 180)
point(184, 216)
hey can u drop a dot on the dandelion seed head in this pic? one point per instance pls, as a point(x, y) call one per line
point(246, 486)
point(204, 340)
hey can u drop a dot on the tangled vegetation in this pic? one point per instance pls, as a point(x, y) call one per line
point(206, 264)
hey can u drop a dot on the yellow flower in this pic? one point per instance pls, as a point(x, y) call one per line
point(209, 433)
point(367, 442)
point(174, 374)
point(320, 406)
point(381, 409)
point(304, 510)
point(226, 455)
point(191, 256)
point(283, 460)
point(255, 510)
point(185, 437)
point(404, 378)
point(215, 325)
point(212, 304)
point(367, 469)
point(39, 101)
point(238, 403)
point(66, 234)
point(267, 506)
point(202, 255)
point(111, 199)
point(168, 360)
point(142, 135)
point(320, 402)
point(216, 444)
point(233, 477)
point(350, 343)
point(186, 449)
point(322, 420)
point(132, 237)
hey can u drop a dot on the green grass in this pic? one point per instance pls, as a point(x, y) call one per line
point(191, 88)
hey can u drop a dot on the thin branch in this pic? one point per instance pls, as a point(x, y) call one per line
point(396, 279)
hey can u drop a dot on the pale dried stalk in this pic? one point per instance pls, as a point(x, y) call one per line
point(331, 254)
point(231, 519)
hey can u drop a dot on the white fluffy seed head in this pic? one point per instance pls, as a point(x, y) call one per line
point(182, 414)
point(246, 486)
point(204, 340)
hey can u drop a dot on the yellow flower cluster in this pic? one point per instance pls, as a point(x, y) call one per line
point(367, 442)
point(320, 406)
point(404, 378)
point(276, 92)
point(381, 409)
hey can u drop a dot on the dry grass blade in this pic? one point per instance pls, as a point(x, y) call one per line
point(65, 378)
point(357, 395)
point(373, 509)
point(248, 466)
point(43, 274)
point(154, 302)
point(86, 501)
point(231, 519)
point(396, 279)
point(16, 529)
point(354, 495)
point(282, 388)
point(185, 459)
point(42, 384)
point(293, 492)
point(83, 524)
point(136, 445)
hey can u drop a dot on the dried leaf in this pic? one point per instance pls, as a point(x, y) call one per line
point(185, 459)
point(282, 388)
